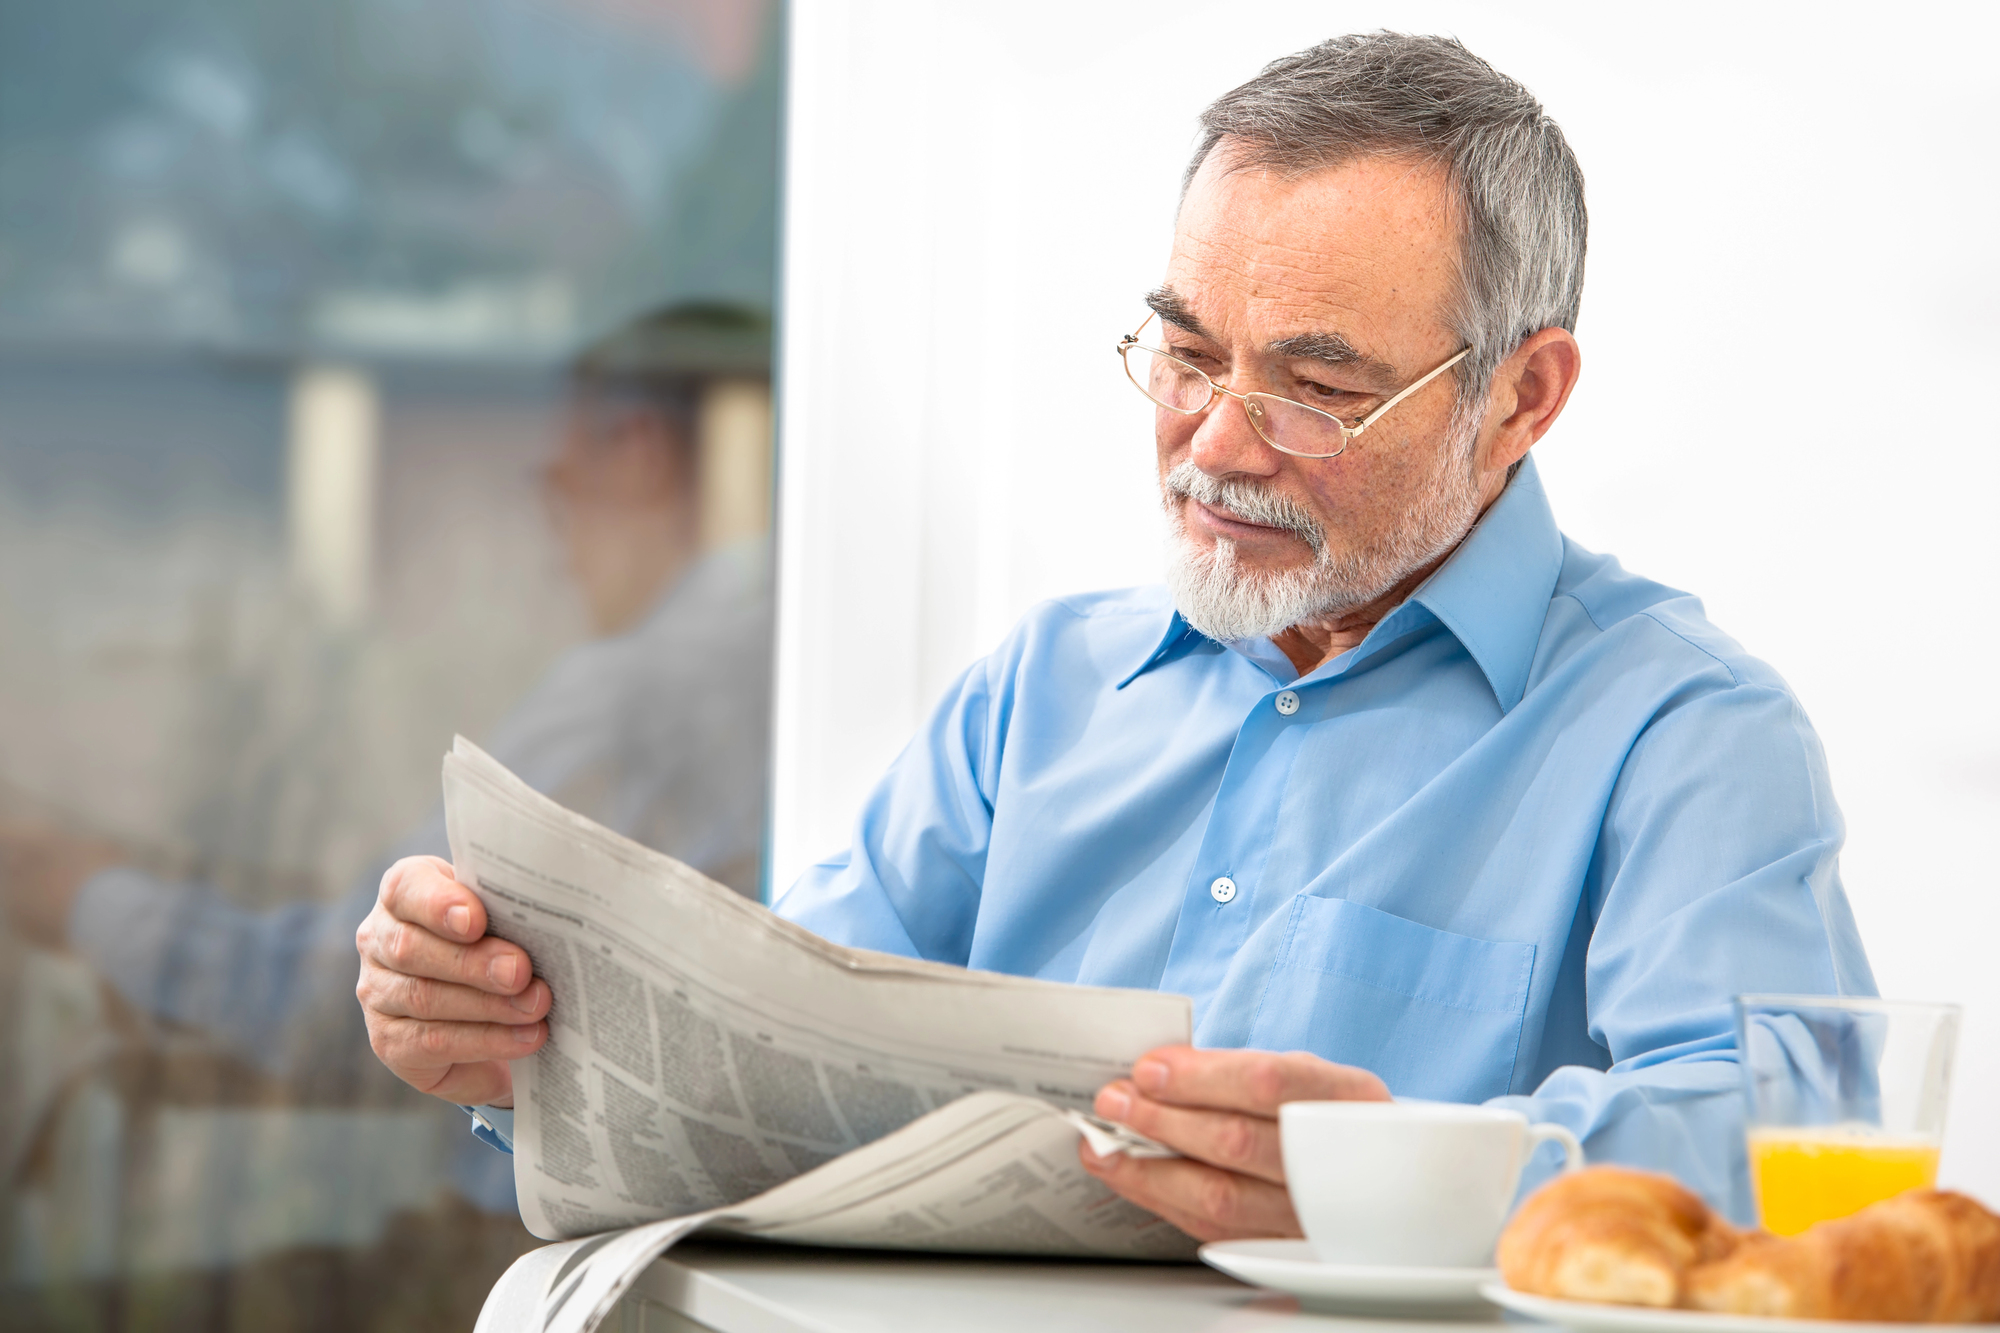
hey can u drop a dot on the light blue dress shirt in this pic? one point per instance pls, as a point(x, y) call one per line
point(1520, 845)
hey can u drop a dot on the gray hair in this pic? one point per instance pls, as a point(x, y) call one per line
point(1517, 187)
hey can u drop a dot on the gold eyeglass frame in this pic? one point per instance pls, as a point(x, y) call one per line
point(1254, 409)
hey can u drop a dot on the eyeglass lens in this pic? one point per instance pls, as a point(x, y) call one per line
point(1287, 425)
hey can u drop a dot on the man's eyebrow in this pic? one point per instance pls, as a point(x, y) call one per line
point(1331, 348)
point(1172, 308)
point(1334, 350)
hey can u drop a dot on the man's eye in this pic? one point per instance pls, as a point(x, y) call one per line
point(1312, 391)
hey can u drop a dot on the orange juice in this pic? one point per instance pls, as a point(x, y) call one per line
point(1803, 1176)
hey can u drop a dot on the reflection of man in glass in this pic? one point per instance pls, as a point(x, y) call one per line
point(655, 727)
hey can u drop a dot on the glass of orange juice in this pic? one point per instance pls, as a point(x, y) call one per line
point(1846, 1100)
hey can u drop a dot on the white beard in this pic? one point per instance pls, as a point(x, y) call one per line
point(1223, 599)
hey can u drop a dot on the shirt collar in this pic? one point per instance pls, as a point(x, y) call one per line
point(1178, 631)
point(1492, 594)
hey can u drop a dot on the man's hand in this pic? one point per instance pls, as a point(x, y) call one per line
point(1220, 1109)
point(447, 1006)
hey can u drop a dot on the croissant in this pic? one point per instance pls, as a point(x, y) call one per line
point(1928, 1256)
point(1610, 1234)
point(1626, 1237)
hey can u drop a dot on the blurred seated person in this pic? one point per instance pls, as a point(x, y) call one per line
point(655, 727)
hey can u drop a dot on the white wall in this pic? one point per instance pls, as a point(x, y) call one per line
point(1790, 312)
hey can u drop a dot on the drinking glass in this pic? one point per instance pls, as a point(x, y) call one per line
point(1846, 1100)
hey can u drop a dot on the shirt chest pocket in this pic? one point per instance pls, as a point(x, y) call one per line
point(1436, 1015)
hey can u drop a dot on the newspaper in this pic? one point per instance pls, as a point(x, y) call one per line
point(711, 1065)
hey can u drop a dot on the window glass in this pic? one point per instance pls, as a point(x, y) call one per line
point(370, 371)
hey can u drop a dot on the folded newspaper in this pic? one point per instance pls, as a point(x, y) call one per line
point(712, 1066)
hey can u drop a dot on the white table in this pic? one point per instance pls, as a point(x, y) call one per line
point(770, 1289)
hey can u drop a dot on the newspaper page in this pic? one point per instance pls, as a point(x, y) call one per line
point(704, 1051)
point(991, 1173)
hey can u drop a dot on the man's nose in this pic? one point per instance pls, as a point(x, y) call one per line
point(1226, 442)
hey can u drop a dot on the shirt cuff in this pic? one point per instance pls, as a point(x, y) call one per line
point(493, 1126)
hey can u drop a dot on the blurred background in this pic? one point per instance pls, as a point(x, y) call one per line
point(370, 371)
point(1785, 408)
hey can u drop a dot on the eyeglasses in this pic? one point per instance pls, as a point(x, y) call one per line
point(1285, 424)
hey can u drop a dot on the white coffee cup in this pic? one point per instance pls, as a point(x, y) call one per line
point(1408, 1184)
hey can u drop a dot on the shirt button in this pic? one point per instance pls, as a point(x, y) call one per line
point(1223, 889)
point(1288, 702)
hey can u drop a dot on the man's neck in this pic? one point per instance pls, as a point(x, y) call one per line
point(1312, 644)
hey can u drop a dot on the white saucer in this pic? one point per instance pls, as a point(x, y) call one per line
point(1291, 1266)
point(1588, 1317)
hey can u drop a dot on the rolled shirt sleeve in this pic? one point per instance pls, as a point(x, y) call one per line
point(1716, 873)
point(493, 1126)
point(910, 882)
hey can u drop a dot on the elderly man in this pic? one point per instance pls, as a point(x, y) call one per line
point(1392, 778)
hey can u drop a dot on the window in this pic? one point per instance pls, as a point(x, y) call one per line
point(370, 371)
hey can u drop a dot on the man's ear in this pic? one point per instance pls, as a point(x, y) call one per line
point(1530, 389)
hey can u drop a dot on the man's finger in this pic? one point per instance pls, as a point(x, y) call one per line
point(1204, 1201)
point(1181, 1221)
point(397, 995)
point(1233, 1140)
point(491, 964)
point(422, 1053)
point(1258, 1082)
point(423, 891)
point(488, 1083)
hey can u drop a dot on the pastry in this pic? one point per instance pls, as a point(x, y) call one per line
point(1611, 1234)
point(1928, 1256)
point(1623, 1237)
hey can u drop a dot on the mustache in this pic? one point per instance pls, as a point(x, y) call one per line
point(1252, 502)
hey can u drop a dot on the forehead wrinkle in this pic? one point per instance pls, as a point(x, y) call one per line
point(1245, 255)
point(1300, 277)
point(1364, 234)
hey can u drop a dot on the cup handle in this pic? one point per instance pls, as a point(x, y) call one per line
point(1548, 1133)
